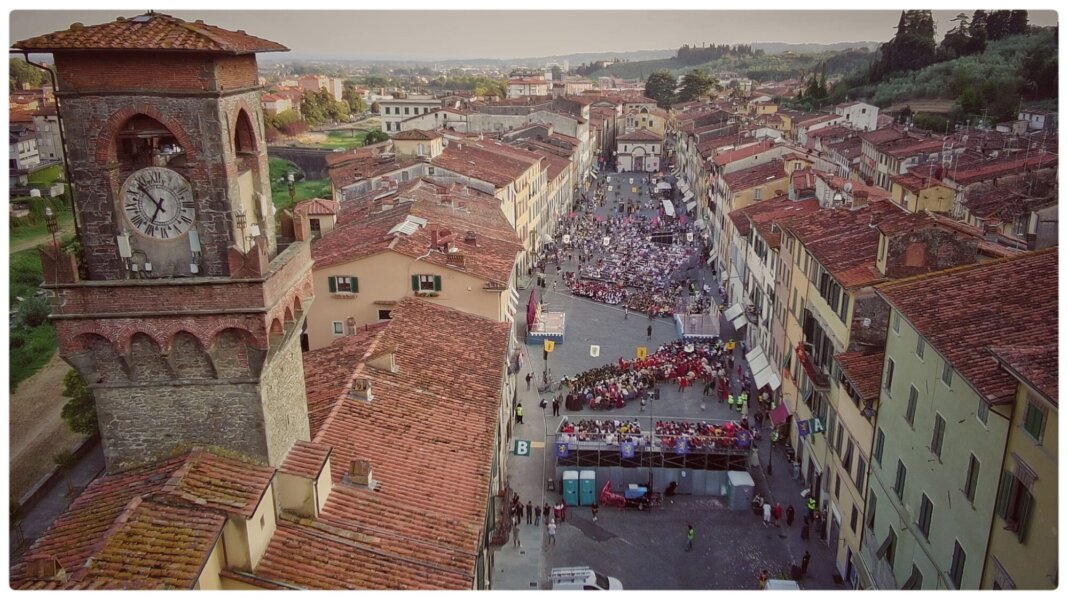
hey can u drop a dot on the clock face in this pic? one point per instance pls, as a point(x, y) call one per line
point(158, 202)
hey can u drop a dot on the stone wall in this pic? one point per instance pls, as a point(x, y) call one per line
point(927, 250)
point(871, 317)
point(285, 406)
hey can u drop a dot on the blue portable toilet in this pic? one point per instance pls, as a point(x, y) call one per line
point(571, 488)
point(587, 488)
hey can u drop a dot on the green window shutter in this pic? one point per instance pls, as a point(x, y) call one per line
point(355, 284)
point(415, 283)
point(1003, 493)
point(1025, 512)
point(437, 283)
point(332, 282)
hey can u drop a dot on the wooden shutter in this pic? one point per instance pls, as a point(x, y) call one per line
point(415, 283)
point(355, 283)
point(1004, 491)
point(1025, 511)
point(332, 282)
point(437, 283)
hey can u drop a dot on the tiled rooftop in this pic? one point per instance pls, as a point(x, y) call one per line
point(755, 176)
point(1037, 365)
point(864, 370)
point(486, 161)
point(317, 207)
point(416, 134)
point(151, 31)
point(211, 481)
point(728, 157)
point(428, 434)
point(305, 459)
point(962, 312)
point(364, 229)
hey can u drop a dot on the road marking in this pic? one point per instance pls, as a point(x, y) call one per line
point(537, 444)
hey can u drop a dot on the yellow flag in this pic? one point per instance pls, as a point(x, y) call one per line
point(642, 352)
point(549, 345)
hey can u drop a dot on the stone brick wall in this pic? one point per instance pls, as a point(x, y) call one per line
point(285, 405)
point(867, 305)
point(158, 72)
point(927, 250)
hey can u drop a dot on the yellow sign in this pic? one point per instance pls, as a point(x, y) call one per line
point(634, 189)
point(642, 351)
point(549, 345)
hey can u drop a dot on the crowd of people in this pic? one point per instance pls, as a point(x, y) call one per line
point(700, 435)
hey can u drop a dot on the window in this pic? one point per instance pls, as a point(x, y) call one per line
point(937, 435)
point(869, 521)
point(1034, 420)
point(854, 519)
point(384, 315)
point(862, 470)
point(838, 439)
point(889, 374)
point(887, 549)
point(899, 480)
point(956, 571)
point(878, 451)
point(847, 460)
point(426, 283)
point(838, 486)
point(971, 479)
point(758, 193)
point(910, 410)
point(924, 520)
point(1014, 501)
point(405, 110)
point(339, 328)
point(897, 322)
point(947, 374)
point(920, 347)
point(343, 284)
point(982, 412)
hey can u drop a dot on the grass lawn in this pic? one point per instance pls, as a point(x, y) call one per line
point(343, 139)
point(19, 232)
point(31, 347)
point(46, 177)
point(304, 190)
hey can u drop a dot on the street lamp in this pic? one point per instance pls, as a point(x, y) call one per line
point(292, 189)
point(241, 220)
point(53, 228)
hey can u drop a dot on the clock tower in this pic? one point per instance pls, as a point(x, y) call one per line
point(182, 310)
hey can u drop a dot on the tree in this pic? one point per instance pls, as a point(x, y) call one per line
point(376, 108)
point(375, 136)
point(355, 102)
point(1017, 22)
point(320, 107)
point(977, 32)
point(21, 74)
point(997, 24)
point(1039, 71)
point(696, 84)
point(80, 411)
point(661, 87)
point(33, 312)
point(956, 41)
point(65, 461)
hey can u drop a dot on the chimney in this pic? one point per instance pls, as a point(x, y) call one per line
point(361, 389)
point(455, 259)
point(433, 235)
point(471, 238)
point(385, 362)
point(360, 472)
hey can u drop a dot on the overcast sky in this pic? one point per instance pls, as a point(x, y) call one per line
point(426, 35)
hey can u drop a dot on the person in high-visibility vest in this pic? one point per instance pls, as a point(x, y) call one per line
point(519, 413)
point(730, 401)
point(811, 506)
point(743, 399)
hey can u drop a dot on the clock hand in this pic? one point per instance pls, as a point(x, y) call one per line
point(144, 190)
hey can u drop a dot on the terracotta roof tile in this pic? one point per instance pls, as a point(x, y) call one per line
point(961, 312)
point(226, 485)
point(317, 207)
point(1036, 365)
point(305, 459)
point(488, 161)
point(777, 210)
point(864, 370)
point(745, 152)
point(151, 31)
point(416, 134)
point(364, 230)
point(322, 385)
point(754, 176)
point(428, 434)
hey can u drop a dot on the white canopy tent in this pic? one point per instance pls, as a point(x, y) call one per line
point(669, 208)
point(663, 185)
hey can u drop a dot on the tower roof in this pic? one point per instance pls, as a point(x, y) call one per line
point(150, 31)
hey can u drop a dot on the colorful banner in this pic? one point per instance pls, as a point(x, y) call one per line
point(561, 450)
point(682, 446)
point(550, 345)
point(626, 449)
point(804, 428)
point(744, 439)
point(642, 352)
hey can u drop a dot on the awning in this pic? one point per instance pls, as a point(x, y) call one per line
point(766, 377)
point(684, 187)
point(739, 322)
point(780, 415)
point(732, 313)
point(663, 185)
point(723, 275)
point(669, 208)
point(513, 304)
point(687, 196)
point(757, 360)
point(691, 205)
point(545, 239)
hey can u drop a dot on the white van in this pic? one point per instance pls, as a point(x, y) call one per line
point(780, 585)
point(582, 578)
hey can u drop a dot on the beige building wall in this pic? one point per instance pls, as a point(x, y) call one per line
point(428, 148)
point(1030, 563)
point(209, 576)
point(937, 198)
point(383, 279)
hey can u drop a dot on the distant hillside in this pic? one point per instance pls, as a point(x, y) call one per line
point(778, 47)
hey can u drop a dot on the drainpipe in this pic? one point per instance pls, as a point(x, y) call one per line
point(62, 139)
